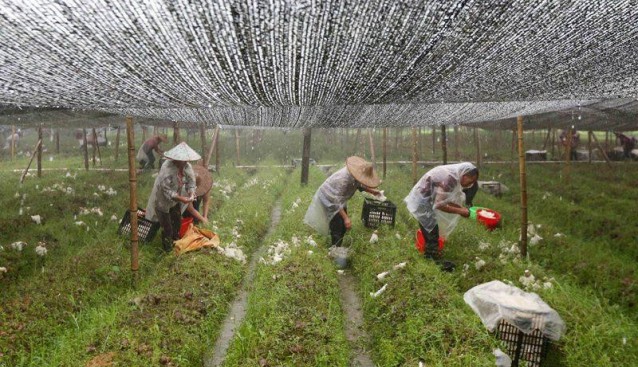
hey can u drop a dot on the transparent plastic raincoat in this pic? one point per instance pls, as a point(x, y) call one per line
point(329, 199)
point(439, 186)
point(166, 187)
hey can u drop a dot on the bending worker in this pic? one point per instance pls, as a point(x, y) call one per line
point(203, 182)
point(174, 184)
point(328, 212)
point(437, 200)
point(145, 155)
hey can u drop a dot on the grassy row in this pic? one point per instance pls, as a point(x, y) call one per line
point(43, 297)
point(294, 317)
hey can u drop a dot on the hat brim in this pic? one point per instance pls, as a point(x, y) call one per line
point(205, 179)
point(355, 167)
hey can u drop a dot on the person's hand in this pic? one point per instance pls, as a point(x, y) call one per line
point(204, 220)
point(466, 213)
point(347, 222)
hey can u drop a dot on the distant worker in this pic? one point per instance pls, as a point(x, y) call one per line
point(328, 212)
point(564, 140)
point(13, 138)
point(438, 199)
point(203, 182)
point(145, 154)
point(175, 184)
point(628, 143)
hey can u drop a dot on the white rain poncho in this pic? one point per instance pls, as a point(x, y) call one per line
point(329, 199)
point(439, 186)
point(166, 187)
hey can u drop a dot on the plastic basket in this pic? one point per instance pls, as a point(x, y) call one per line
point(490, 223)
point(375, 213)
point(531, 348)
point(146, 229)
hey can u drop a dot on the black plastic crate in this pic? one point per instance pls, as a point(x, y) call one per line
point(531, 348)
point(146, 229)
point(375, 213)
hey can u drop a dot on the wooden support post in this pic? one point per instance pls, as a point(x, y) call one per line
point(202, 135)
point(237, 146)
point(217, 157)
point(85, 150)
point(523, 180)
point(444, 143)
point(57, 141)
point(457, 156)
point(356, 143)
point(568, 156)
point(213, 146)
point(385, 149)
point(305, 156)
point(372, 155)
point(414, 155)
point(549, 133)
point(601, 149)
point(95, 141)
point(94, 145)
point(13, 142)
point(35, 151)
point(589, 134)
point(39, 150)
point(117, 144)
point(396, 139)
point(132, 178)
point(477, 141)
point(553, 143)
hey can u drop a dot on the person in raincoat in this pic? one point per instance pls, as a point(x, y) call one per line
point(328, 212)
point(204, 182)
point(437, 201)
point(174, 184)
point(145, 154)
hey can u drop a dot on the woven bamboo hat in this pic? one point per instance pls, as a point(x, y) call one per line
point(182, 152)
point(203, 180)
point(363, 171)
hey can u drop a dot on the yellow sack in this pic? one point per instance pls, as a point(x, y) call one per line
point(195, 238)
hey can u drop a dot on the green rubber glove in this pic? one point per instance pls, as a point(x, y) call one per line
point(473, 211)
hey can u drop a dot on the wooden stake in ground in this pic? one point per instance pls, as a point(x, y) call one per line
point(35, 150)
point(237, 146)
point(414, 155)
point(305, 156)
point(94, 145)
point(589, 134)
point(57, 141)
point(117, 144)
point(477, 141)
point(523, 179)
point(457, 156)
point(85, 150)
point(132, 178)
point(385, 149)
point(444, 143)
point(39, 150)
point(213, 146)
point(372, 155)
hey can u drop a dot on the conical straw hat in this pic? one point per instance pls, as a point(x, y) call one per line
point(203, 180)
point(363, 171)
point(182, 152)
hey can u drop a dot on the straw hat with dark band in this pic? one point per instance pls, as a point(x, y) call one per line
point(203, 180)
point(182, 152)
point(363, 171)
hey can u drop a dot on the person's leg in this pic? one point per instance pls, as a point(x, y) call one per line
point(150, 157)
point(431, 242)
point(176, 221)
point(167, 230)
point(337, 230)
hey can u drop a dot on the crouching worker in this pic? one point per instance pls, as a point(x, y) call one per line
point(203, 182)
point(145, 154)
point(174, 184)
point(328, 212)
point(437, 201)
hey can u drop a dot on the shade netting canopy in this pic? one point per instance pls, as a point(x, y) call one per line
point(288, 63)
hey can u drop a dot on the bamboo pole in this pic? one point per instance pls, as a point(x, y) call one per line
point(444, 143)
point(86, 150)
point(99, 154)
point(39, 150)
point(372, 154)
point(385, 150)
point(568, 156)
point(237, 146)
point(94, 145)
point(523, 181)
point(356, 143)
point(13, 142)
point(414, 155)
point(601, 149)
point(130, 134)
point(553, 143)
point(117, 144)
point(305, 156)
point(477, 141)
point(457, 156)
point(176, 137)
point(589, 134)
point(217, 157)
point(213, 146)
point(35, 150)
point(57, 141)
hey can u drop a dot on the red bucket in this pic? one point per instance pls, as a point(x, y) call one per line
point(420, 242)
point(185, 223)
point(488, 217)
